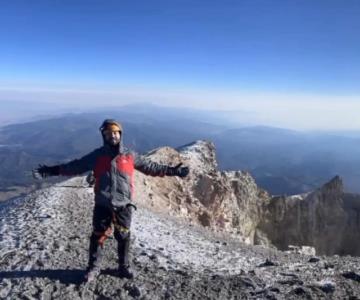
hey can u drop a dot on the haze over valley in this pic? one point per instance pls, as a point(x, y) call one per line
point(282, 161)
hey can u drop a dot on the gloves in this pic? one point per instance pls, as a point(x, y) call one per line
point(44, 171)
point(177, 171)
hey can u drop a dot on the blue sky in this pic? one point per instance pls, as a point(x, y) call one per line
point(236, 55)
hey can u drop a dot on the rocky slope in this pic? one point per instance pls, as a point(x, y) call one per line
point(44, 240)
point(191, 239)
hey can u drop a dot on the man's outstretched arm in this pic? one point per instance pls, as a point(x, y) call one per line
point(149, 167)
point(74, 167)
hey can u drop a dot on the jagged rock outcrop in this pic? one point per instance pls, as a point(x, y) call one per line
point(327, 219)
point(223, 201)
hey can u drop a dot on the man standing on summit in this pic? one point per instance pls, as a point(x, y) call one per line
point(113, 167)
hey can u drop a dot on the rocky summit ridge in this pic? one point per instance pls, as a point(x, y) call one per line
point(191, 239)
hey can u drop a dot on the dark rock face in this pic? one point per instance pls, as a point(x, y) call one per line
point(327, 219)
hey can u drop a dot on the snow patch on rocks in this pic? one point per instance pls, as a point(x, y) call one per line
point(200, 156)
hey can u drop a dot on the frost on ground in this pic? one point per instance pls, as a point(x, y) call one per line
point(43, 254)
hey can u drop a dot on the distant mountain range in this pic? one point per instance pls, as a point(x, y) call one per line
point(282, 161)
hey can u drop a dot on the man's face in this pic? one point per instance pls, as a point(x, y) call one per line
point(112, 137)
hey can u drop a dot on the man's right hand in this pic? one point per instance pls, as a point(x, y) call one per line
point(44, 171)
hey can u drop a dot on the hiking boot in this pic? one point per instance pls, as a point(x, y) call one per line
point(125, 272)
point(91, 274)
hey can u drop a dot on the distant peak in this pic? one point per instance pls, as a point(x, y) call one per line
point(196, 144)
point(335, 184)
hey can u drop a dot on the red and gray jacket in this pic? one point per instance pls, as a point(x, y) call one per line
point(113, 172)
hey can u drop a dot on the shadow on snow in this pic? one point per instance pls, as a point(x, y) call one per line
point(75, 276)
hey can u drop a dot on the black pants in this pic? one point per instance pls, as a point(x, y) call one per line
point(102, 219)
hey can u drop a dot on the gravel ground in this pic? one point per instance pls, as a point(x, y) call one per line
point(43, 254)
